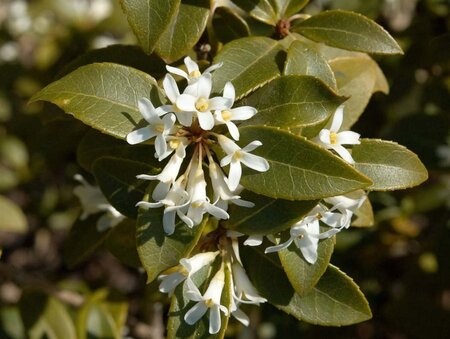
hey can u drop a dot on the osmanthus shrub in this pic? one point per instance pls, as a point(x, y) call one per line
point(226, 159)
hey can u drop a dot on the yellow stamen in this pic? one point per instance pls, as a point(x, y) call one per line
point(237, 155)
point(333, 138)
point(173, 144)
point(202, 105)
point(197, 204)
point(209, 303)
point(226, 115)
point(195, 74)
point(318, 216)
point(159, 128)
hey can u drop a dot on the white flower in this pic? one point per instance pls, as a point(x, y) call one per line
point(159, 128)
point(331, 139)
point(244, 290)
point(199, 201)
point(193, 71)
point(176, 203)
point(198, 101)
point(93, 201)
point(238, 314)
point(210, 300)
point(173, 93)
point(236, 155)
point(229, 114)
point(185, 271)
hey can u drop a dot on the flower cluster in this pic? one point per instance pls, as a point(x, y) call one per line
point(190, 120)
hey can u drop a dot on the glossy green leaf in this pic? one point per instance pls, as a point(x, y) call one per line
point(268, 216)
point(303, 275)
point(12, 218)
point(228, 25)
point(292, 101)
point(117, 180)
point(290, 7)
point(149, 19)
point(356, 78)
point(389, 165)
point(302, 60)
point(121, 242)
point(184, 30)
point(177, 327)
point(248, 63)
point(350, 31)
point(335, 300)
point(82, 241)
point(95, 145)
point(104, 96)
point(299, 169)
point(158, 251)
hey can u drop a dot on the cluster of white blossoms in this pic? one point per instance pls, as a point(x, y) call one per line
point(190, 119)
point(243, 291)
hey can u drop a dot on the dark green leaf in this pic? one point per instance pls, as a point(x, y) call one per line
point(299, 169)
point(302, 60)
point(292, 101)
point(149, 19)
point(121, 242)
point(12, 218)
point(117, 180)
point(303, 275)
point(268, 216)
point(184, 31)
point(389, 165)
point(158, 251)
point(335, 301)
point(248, 63)
point(348, 30)
point(104, 96)
point(95, 145)
point(228, 25)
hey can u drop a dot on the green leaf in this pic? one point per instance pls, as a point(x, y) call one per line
point(228, 25)
point(302, 275)
point(268, 216)
point(248, 63)
point(82, 241)
point(12, 218)
point(356, 78)
point(103, 95)
point(335, 300)
point(290, 7)
point(177, 327)
point(350, 31)
point(158, 251)
point(149, 19)
point(11, 326)
point(389, 165)
point(117, 181)
point(184, 30)
point(364, 215)
point(95, 145)
point(302, 60)
point(121, 242)
point(299, 169)
point(292, 101)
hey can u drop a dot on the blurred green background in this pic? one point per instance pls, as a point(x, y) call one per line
point(402, 263)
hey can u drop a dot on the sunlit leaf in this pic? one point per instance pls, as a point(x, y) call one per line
point(12, 218)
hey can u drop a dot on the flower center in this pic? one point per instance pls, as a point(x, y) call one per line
point(226, 115)
point(209, 303)
point(333, 138)
point(195, 74)
point(319, 216)
point(237, 155)
point(202, 105)
point(197, 204)
point(159, 128)
point(173, 144)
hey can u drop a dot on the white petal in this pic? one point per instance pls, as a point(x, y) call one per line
point(186, 102)
point(345, 154)
point(254, 240)
point(169, 121)
point(255, 162)
point(229, 92)
point(195, 313)
point(337, 119)
point(204, 86)
point(206, 120)
point(145, 204)
point(234, 176)
point(228, 145)
point(234, 131)
point(185, 219)
point(140, 135)
point(240, 316)
point(170, 282)
point(191, 65)
point(171, 88)
point(226, 160)
point(147, 177)
point(165, 109)
point(177, 71)
point(147, 110)
point(216, 211)
point(243, 113)
point(348, 138)
point(252, 146)
point(324, 138)
point(243, 203)
point(160, 191)
point(279, 247)
point(184, 118)
point(160, 145)
point(308, 247)
point(214, 319)
point(219, 103)
point(103, 223)
point(191, 291)
point(212, 68)
point(169, 222)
